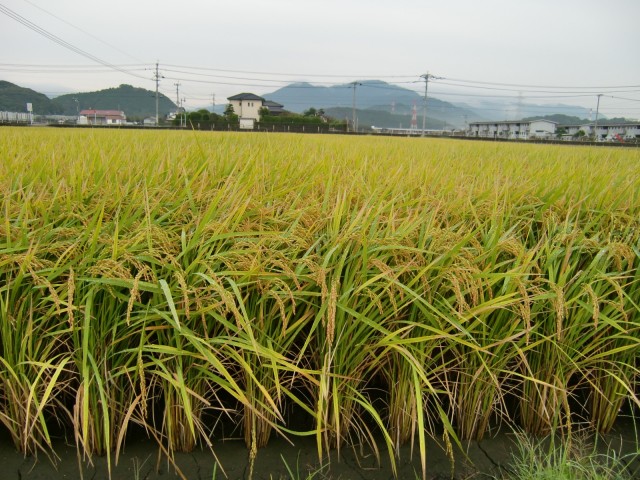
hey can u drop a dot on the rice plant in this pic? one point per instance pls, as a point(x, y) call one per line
point(388, 289)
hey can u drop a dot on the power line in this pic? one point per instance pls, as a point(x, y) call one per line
point(598, 87)
point(83, 31)
point(298, 84)
point(271, 83)
point(407, 76)
point(256, 79)
point(62, 66)
point(321, 75)
point(622, 98)
point(532, 91)
point(461, 82)
point(32, 26)
point(511, 96)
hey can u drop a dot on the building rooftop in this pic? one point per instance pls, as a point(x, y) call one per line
point(245, 96)
point(511, 122)
point(102, 113)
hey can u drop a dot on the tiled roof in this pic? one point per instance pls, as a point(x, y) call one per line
point(245, 96)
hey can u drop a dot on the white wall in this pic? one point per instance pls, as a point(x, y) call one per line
point(541, 128)
point(247, 108)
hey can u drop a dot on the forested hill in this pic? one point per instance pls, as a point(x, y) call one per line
point(135, 102)
point(14, 98)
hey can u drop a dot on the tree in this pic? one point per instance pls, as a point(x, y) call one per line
point(201, 119)
point(204, 114)
point(311, 112)
point(230, 114)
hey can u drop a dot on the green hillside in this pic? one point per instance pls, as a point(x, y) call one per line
point(135, 102)
point(14, 98)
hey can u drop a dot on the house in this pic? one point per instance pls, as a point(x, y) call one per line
point(513, 129)
point(102, 117)
point(247, 106)
point(274, 107)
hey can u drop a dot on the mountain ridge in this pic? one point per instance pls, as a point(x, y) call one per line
point(377, 103)
point(394, 101)
point(134, 101)
point(14, 98)
point(137, 103)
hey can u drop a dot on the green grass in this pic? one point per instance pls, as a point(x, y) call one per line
point(575, 460)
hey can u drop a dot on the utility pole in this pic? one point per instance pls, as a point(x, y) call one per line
point(178, 100)
point(353, 107)
point(595, 126)
point(177, 94)
point(213, 102)
point(427, 76)
point(157, 77)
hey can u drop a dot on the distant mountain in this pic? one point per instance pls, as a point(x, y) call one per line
point(135, 102)
point(560, 119)
point(397, 102)
point(14, 98)
point(298, 97)
point(371, 117)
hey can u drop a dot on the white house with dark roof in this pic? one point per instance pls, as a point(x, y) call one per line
point(247, 105)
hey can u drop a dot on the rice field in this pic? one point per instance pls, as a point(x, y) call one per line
point(384, 290)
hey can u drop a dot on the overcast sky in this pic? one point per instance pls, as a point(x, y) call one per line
point(579, 47)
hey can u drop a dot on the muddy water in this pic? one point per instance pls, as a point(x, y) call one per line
point(140, 460)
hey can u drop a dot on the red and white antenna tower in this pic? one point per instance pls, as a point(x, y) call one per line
point(414, 117)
